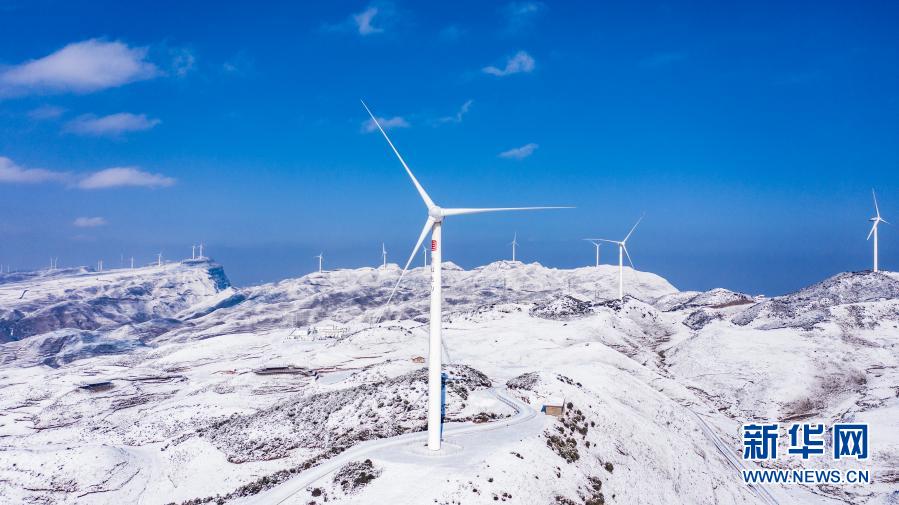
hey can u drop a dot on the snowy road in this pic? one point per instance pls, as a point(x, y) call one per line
point(453, 437)
point(727, 451)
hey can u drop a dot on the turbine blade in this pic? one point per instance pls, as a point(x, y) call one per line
point(459, 212)
point(604, 240)
point(421, 190)
point(634, 228)
point(421, 238)
point(628, 256)
point(876, 209)
point(872, 230)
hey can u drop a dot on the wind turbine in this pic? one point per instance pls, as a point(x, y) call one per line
point(193, 252)
point(514, 244)
point(383, 256)
point(434, 225)
point(424, 254)
point(321, 258)
point(132, 263)
point(159, 259)
point(622, 250)
point(876, 220)
point(596, 245)
point(201, 251)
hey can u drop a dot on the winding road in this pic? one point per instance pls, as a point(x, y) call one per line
point(523, 414)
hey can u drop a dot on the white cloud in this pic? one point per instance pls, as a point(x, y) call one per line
point(377, 18)
point(457, 117)
point(89, 222)
point(124, 176)
point(519, 153)
point(521, 15)
point(521, 62)
point(10, 172)
point(45, 112)
point(386, 123)
point(115, 177)
point(111, 125)
point(81, 67)
point(364, 20)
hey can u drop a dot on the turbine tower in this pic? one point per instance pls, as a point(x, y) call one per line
point(193, 252)
point(876, 220)
point(622, 250)
point(159, 259)
point(383, 256)
point(132, 263)
point(434, 225)
point(596, 245)
point(514, 244)
point(424, 254)
point(321, 258)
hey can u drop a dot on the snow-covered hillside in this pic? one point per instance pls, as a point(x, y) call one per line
point(181, 408)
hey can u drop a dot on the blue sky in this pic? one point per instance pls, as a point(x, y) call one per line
point(750, 135)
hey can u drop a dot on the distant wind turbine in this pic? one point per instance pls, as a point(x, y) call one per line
point(132, 263)
point(514, 244)
point(193, 252)
point(622, 250)
point(876, 220)
point(596, 245)
point(424, 254)
point(321, 259)
point(383, 255)
point(159, 259)
point(434, 225)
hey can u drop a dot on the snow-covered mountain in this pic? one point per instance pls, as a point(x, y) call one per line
point(150, 386)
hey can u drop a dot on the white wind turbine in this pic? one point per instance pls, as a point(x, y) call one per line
point(514, 244)
point(321, 258)
point(622, 251)
point(159, 259)
point(424, 254)
point(434, 225)
point(383, 256)
point(596, 245)
point(876, 220)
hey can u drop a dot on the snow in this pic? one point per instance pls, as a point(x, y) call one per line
point(658, 385)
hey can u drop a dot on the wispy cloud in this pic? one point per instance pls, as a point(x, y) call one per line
point(521, 15)
point(89, 222)
point(386, 123)
point(124, 176)
point(115, 177)
point(81, 67)
point(183, 61)
point(46, 112)
point(373, 20)
point(519, 153)
point(457, 117)
point(10, 172)
point(663, 59)
point(111, 125)
point(364, 21)
point(521, 62)
point(239, 64)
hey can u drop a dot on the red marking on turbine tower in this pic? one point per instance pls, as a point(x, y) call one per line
point(433, 245)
